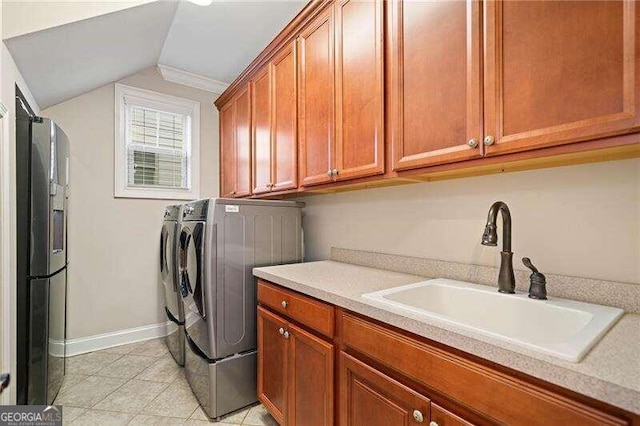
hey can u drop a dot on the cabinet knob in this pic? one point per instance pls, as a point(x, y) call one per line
point(417, 416)
point(489, 140)
point(233, 192)
point(329, 172)
point(281, 330)
point(334, 172)
point(473, 143)
point(286, 334)
point(283, 304)
point(432, 423)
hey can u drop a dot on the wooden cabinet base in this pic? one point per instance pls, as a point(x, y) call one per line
point(388, 377)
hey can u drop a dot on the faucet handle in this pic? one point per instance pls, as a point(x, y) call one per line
point(537, 281)
point(527, 262)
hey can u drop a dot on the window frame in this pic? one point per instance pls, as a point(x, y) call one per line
point(159, 101)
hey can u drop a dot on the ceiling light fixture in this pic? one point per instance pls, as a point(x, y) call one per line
point(202, 2)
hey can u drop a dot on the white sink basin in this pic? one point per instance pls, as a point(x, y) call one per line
point(562, 328)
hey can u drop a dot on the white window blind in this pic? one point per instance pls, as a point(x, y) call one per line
point(157, 148)
point(157, 145)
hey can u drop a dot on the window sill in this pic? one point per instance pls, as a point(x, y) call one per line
point(157, 193)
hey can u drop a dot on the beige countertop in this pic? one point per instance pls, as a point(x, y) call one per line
point(610, 372)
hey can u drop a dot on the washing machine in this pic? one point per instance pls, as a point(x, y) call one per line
point(169, 277)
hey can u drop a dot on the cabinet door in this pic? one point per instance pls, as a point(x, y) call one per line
point(359, 89)
point(227, 150)
point(560, 71)
point(272, 364)
point(315, 100)
point(444, 417)
point(261, 130)
point(435, 82)
point(368, 397)
point(310, 379)
point(243, 143)
point(284, 142)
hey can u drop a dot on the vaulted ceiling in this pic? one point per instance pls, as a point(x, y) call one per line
point(216, 41)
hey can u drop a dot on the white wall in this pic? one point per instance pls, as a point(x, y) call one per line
point(579, 220)
point(113, 243)
point(27, 16)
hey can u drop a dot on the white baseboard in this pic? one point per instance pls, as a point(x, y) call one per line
point(97, 342)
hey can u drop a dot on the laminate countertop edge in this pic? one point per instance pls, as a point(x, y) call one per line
point(610, 372)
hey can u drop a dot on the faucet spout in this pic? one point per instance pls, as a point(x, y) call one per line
point(506, 278)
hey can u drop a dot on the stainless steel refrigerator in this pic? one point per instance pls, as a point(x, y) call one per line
point(221, 241)
point(42, 172)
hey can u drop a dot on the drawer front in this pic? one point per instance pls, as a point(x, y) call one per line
point(305, 310)
point(444, 417)
point(488, 391)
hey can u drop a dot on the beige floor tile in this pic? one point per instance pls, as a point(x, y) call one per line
point(69, 414)
point(155, 347)
point(89, 392)
point(237, 417)
point(90, 363)
point(194, 422)
point(71, 380)
point(102, 418)
point(144, 419)
point(258, 416)
point(163, 370)
point(177, 400)
point(122, 349)
point(127, 367)
point(132, 397)
point(199, 414)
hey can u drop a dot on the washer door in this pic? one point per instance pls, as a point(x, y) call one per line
point(168, 272)
point(191, 268)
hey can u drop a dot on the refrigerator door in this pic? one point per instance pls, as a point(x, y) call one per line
point(46, 337)
point(49, 181)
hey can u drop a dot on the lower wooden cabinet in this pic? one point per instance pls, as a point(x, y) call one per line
point(295, 372)
point(387, 377)
point(369, 397)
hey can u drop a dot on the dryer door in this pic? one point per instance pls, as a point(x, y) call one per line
point(193, 286)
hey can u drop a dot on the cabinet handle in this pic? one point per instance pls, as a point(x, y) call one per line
point(286, 334)
point(281, 330)
point(417, 416)
point(489, 140)
point(334, 172)
point(473, 143)
point(283, 304)
point(432, 423)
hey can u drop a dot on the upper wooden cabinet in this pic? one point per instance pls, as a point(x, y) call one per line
point(316, 112)
point(560, 71)
point(359, 88)
point(434, 82)
point(445, 83)
point(274, 130)
point(235, 146)
point(341, 100)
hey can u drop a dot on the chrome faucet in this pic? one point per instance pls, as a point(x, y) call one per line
point(506, 279)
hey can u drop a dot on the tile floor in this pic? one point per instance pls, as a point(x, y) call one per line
point(137, 384)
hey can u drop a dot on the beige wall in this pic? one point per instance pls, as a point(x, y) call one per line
point(113, 243)
point(579, 220)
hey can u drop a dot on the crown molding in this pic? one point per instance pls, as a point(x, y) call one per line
point(186, 78)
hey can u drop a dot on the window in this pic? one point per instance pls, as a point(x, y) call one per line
point(157, 145)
